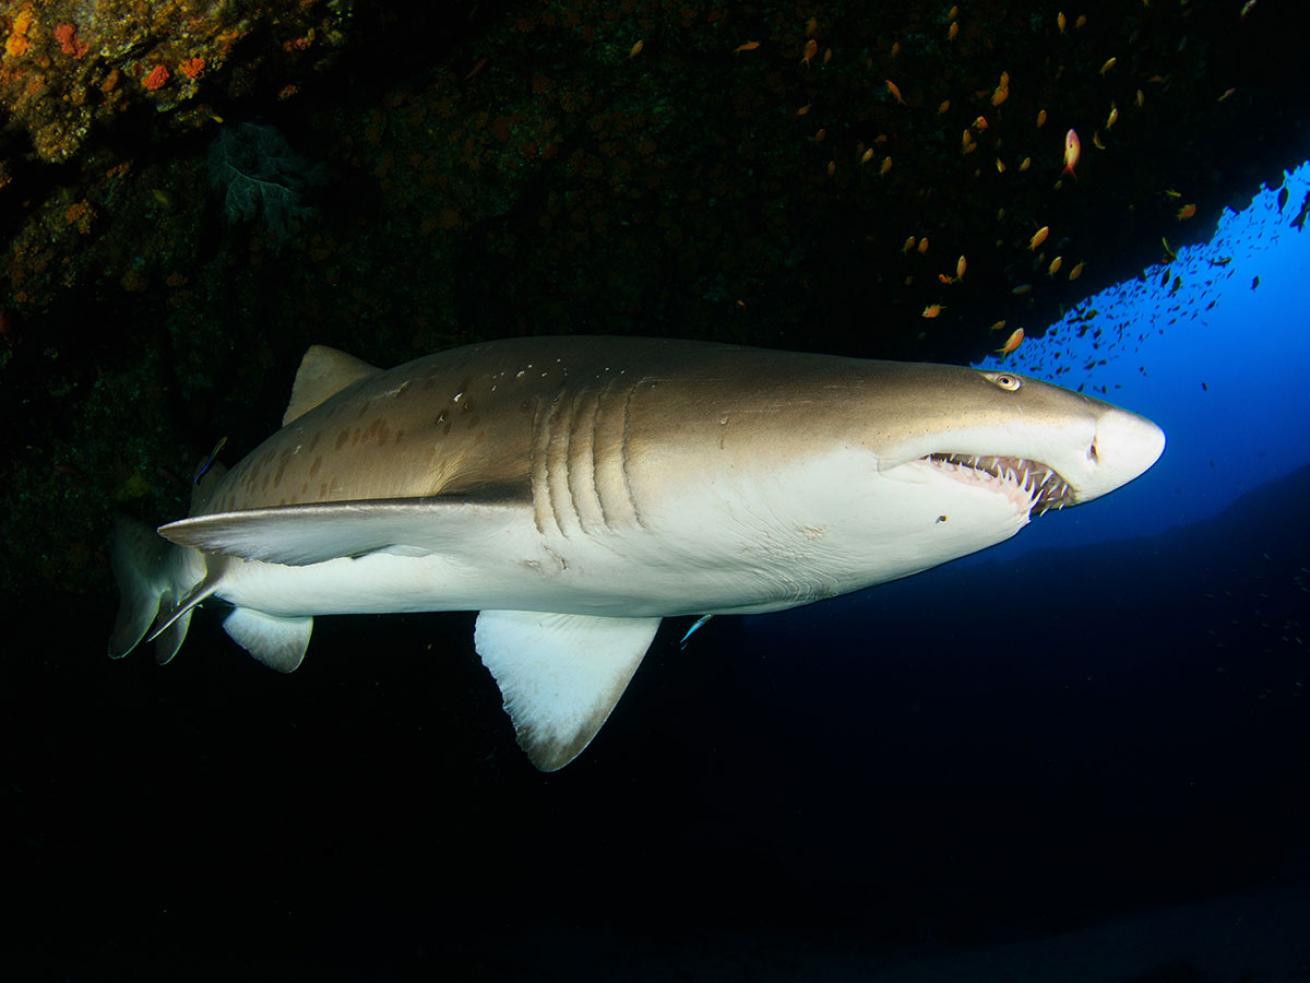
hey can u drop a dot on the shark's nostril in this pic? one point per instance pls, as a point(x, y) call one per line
point(1092, 453)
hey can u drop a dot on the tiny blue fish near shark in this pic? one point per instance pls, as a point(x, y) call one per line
point(575, 491)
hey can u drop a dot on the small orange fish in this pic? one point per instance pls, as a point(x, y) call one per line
point(811, 49)
point(827, 55)
point(1140, 98)
point(820, 133)
point(1109, 64)
point(966, 142)
point(953, 31)
point(1073, 149)
point(1113, 117)
point(946, 105)
point(909, 244)
point(1024, 164)
point(1038, 238)
point(832, 168)
point(885, 167)
point(811, 27)
point(961, 265)
point(1247, 8)
point(1054, 268)
point(954, 12)
point(1080, 23)
point(998, 326)
point(1041, 118)
point(1000, 166)
point(896, 92)
point(1011, 343)
point(1225, 95)
point(746, 46)
point(923, 245)
point(635, 50)
point(980, 124)
point(1096, 140)
point(1186, 212)
point(1060, 22)
point(804, 109)
point(1022, 289)
point(932, 310)
point(866, 156)
point(896, 48)
point(999, 95)
point(945, 280)
point(1077, 270)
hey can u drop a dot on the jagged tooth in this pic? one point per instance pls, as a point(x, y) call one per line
point(1047, 478)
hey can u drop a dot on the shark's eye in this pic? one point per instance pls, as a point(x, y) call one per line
point(1003, 380)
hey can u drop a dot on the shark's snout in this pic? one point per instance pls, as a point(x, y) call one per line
point(1124, 447)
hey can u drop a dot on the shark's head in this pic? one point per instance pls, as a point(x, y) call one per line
point(1039, 446)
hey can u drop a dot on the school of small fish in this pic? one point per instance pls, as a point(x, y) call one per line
point(987, 120)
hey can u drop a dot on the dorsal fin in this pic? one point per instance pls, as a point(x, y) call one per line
point(323, 373)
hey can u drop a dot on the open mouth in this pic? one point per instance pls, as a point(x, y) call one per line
point(1041, 485)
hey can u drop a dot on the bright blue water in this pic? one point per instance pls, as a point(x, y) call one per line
point(1249, 423)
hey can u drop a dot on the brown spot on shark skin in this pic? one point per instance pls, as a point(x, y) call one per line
point(342, 438)
point(285, 457)
point(313, 468)
point(354, 437)
point(383, 432)
point(399, 434)
point(322, 490)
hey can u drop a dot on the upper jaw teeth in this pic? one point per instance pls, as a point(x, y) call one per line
point(1042, 484)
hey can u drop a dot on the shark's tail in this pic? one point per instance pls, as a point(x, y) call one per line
point(160, 583)
point(157, 584)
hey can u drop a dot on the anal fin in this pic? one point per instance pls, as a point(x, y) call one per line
point(560, 674)
point(279, 643)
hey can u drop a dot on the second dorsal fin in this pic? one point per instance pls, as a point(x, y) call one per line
point(323, 373)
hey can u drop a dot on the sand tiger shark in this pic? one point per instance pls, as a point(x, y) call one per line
point(575, 491)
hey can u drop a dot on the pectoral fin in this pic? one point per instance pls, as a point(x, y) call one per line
point(560, 674)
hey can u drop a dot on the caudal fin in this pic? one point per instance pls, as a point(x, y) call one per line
point(158, 583)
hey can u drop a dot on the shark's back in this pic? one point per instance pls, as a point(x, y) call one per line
point(475, 419)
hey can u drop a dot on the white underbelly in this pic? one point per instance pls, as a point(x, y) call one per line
point(568, 578)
